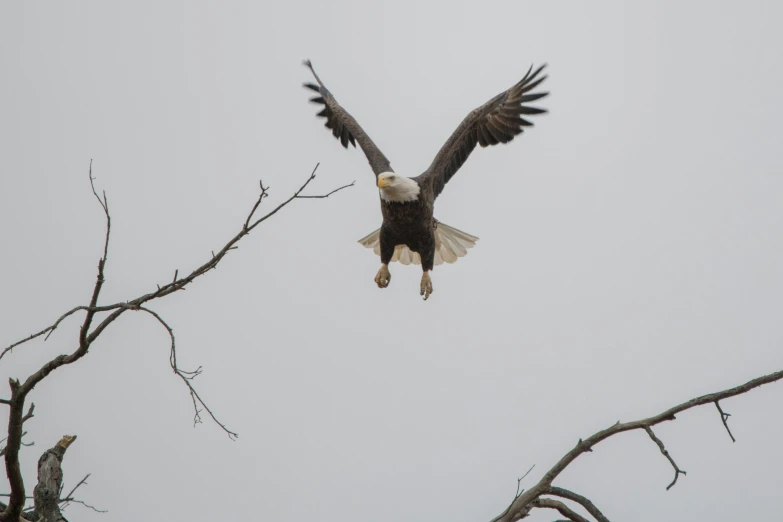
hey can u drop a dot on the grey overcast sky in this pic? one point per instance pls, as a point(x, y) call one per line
point(629, 256)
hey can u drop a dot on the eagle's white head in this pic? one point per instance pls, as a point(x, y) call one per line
point(398, 189)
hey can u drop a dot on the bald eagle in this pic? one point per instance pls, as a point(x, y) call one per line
point(410, 232)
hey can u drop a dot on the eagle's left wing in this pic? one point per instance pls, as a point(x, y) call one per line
point(497, 121)
point(344, 127)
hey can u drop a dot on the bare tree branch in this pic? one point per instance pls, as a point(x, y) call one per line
point(19, 392)
point(29, 413)
point(665, 453)
point(522, 505)
point(65, 501)
point(351, 184)
point(562, 508)
point(48, 330)
point(187, 377)
point(69, 496)
point(11, 453)
point(264, 193)
point(83, 344)
point(87, 336)
point(579, 499)
point(178, 284)
point(85, 504)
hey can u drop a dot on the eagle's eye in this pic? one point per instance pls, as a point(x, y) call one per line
point(391, 178)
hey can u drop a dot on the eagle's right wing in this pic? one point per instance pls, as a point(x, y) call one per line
point(344, 126)
point(497, 121)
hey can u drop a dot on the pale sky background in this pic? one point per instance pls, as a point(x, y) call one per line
point(629, 256)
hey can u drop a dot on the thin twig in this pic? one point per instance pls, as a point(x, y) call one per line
point(48, 330)
point(65, 501)
point(725, 418)
point(21, 442)
point(70, 495)
point(665, 453)
point(516, 495)
point(284, 203)
point(29, 413)
point(351, 184)
point(85, 504)
point(520, 479)
point(187, 376)
point(105, 205)
point(261, 196)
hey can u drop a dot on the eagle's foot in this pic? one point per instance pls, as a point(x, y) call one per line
point(426, 285)
point(383, 277)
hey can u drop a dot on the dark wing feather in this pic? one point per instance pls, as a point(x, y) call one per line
point(497, 121)
point(344, 127)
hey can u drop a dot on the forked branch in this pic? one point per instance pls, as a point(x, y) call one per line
point(89, 333)
point(724, 417)
point(187, 377)
point(665, 452)
point(524, 502)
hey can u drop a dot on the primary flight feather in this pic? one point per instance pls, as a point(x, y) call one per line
point(409, 232)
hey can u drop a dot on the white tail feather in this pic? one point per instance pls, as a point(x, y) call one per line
point(450, 245)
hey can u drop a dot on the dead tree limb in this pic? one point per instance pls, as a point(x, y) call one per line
point(724, 417)
point(88, 333)
point(521, 506)
point(187, 377)
point(665, 453)
point(579, 499)
point(562, 508)
point(50, 481)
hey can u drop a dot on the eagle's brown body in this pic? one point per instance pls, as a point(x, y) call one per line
point(412, 224)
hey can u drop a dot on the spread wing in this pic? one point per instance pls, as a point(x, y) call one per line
point(344, 126)
point(497, 121)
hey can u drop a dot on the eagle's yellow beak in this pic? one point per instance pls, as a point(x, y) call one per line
point(383, 182)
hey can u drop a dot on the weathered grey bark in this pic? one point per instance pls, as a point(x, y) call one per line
point(50, 481)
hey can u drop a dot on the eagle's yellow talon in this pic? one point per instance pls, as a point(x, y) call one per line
point(426, 285)
point(383, 277)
